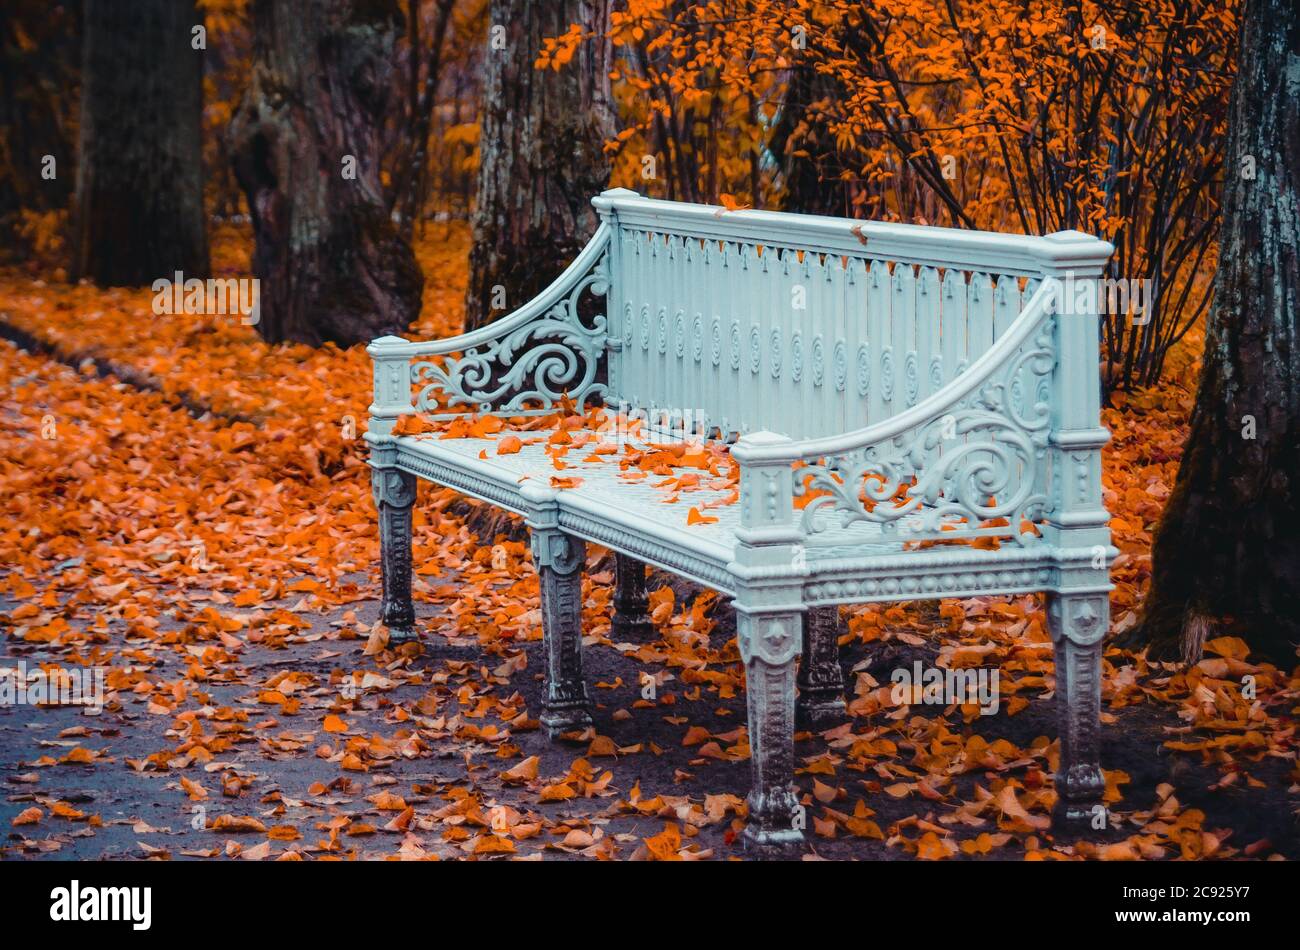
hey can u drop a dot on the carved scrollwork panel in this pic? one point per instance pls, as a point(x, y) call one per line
point(532, 367)
point(944, 477)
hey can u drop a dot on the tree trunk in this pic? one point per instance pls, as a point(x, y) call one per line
point(542, 152)
point(305, 147)
point(1226, 556)
point(139, 203)
point(798, 138)
point(409, 193)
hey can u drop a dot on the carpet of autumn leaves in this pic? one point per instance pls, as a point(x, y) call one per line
point(200, 524)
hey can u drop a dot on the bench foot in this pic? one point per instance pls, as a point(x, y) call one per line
point(821, 681)
point(394, 494)
point(1077, 623)
point(769, 645)
point(558, 558)
point(771, 844)
point(631, 619)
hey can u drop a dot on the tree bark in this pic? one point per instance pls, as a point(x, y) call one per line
point(139, 202)
point(1226, 556)
point(542, 156)
point(305, 147)
point(798, 135)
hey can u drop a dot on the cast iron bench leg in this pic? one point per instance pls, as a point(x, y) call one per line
point(558, 558)
point(821, 681)
point(1077, 623)
point(769, 645)
point(394, 494)
point(631, 620)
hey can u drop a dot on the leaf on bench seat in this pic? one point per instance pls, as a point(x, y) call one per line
point(695, 516)
point(413, 424)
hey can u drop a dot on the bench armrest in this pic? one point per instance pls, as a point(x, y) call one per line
point(975, 449)
point(521, 364)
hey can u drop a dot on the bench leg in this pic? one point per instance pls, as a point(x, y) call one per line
point(1077, 623)
point(769, 645)
point(394, 494)
point(558, 558)
point(631, 620)
point(821, 681)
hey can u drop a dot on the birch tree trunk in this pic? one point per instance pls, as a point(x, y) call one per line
point(542, 152)
point(1226, 557)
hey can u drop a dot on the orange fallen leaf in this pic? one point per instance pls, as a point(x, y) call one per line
point(335, 724)
point(695, 516)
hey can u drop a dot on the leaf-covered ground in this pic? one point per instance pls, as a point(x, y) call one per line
point(191, 509)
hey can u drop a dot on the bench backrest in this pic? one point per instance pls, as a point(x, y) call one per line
point(807, 326)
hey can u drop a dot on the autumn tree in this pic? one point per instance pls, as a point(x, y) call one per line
point(990, 114)
point(1227, 551)
point(542, 149)
point(139, 198)
point(305, 147)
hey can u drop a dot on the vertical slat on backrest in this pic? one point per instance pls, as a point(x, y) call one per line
point(615, 316)
point(686, 304)
point(657, 263)
point(819, 314)
point(979, 317)
point(1006, 307)
point(1030, 395)
point(702, 273)
point(953, 323)
point(929, 361)
point(844, 357)
point(723, 299)
point(1006, 304)
point(903, 330)
point(808, 275)
point(683, 309)
point(779, 341)
point(1026, 375)
point(711, 399)
point(759, 335)
point(635, 352)
point(878, 345)
point(701, 366)
point(663, 261)
point(625, 318)
point(833, 406)
point(700, 263)
point(776, 300)
point(979, 335)
point(637, 388)
point(742, 313)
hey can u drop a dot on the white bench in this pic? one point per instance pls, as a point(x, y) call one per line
point(896, 396)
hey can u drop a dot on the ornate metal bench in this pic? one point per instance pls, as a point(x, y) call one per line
point(895, 396)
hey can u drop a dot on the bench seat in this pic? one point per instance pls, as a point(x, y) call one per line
point(886, 413)
point(853, 564)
